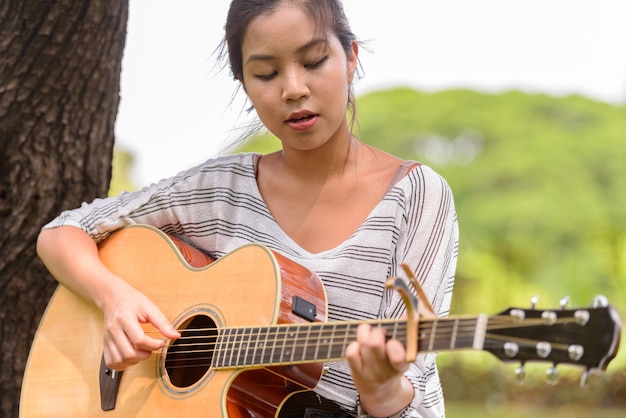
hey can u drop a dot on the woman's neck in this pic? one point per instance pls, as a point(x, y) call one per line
point(332, 161)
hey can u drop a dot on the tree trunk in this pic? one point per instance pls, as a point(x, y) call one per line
point(60, 65)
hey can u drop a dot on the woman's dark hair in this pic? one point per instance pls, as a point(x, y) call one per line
point(328, 16)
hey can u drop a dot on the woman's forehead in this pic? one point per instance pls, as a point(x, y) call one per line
point(288, 27)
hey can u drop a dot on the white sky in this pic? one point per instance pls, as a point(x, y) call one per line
point(176, 106)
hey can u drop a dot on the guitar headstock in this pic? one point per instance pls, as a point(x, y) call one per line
point(585, 337)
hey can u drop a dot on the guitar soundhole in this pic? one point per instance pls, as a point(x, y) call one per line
point(189, 358)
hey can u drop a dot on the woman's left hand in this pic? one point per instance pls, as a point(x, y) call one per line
point(378, 367)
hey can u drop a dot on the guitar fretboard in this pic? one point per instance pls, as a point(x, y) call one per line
point(321, 342)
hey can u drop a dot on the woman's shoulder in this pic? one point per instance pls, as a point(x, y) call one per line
point(422, 178)
point(216, 170)
point(231, 163)
point(244, 159)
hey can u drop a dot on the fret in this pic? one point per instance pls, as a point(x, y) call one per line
point(346, 334)
point(244, 344)
point(394, 332)
point(260, 346)
point(292, 335)
point(323, 343)
point(220, 348)
point(313, 341)
point(224, 347)
point(455, 330)
point(337, 348)
point(250, 335)
point(395, 326)
point(233, 353)
point(433, 332)
point(318, 333)
point(391, 328)
point(298, 346)
point(283, 344)
point(305, 344)
point(233, 348)
point(273, 343)
point(329, 335)
point(270, 346)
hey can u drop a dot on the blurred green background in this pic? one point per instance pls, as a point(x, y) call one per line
point(540, 191)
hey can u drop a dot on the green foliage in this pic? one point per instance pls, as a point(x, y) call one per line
point(122, 165)
point(540, 204)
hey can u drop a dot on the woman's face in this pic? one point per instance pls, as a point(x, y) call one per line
point(297, 81)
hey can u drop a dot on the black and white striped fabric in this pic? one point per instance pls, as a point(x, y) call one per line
point(217, 207)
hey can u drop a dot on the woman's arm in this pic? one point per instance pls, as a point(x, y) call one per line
point(71, 256)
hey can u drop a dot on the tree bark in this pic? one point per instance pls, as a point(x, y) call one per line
point(60, 64)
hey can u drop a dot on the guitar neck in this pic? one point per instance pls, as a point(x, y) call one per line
point(322, 342)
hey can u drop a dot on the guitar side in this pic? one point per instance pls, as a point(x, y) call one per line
point(250, 286)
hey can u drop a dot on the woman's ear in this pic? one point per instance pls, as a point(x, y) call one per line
point(353, 59)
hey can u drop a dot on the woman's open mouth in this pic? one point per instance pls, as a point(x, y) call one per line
point(301, 121)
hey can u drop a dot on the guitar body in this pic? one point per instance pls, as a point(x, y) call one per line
point(249, 287)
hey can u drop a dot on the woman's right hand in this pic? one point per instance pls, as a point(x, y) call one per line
point(71, 255)
point(125, 341)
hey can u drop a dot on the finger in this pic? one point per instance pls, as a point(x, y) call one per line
point(375, 348)
point(120, 352)
point(112, 358)
point(396, 355)
point(363, 333)
point(136, 340)
point(116, 358)
point(353, 356)
point(155, 317)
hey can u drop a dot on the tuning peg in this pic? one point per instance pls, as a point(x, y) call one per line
point(520, 374)
point(600, 301)
point(518, 314)
point(584, 379)
point(553, 375)
point(582, 317)
point(563, 302)
point(533, 302)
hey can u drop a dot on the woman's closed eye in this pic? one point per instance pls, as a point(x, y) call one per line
point(309, 66)
point(317, 63)
point(266, 77)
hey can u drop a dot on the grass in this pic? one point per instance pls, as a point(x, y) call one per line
point(497, 409)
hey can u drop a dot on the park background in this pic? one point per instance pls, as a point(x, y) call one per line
point(519, 105)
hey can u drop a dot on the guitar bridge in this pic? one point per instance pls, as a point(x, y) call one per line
point(109, 386)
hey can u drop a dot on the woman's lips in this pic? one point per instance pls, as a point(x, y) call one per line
point(301, 121)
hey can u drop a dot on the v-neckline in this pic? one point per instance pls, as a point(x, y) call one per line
point(401, 173)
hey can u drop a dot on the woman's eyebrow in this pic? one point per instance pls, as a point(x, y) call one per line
point(312, 43)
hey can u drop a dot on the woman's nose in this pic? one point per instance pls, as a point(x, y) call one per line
point(295, 85)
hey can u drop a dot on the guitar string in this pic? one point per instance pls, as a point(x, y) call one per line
point(441, 326)
point(298, 348)
point(300, 345)
point(209, 360)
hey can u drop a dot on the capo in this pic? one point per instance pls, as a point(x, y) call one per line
point(425, 308)
point(414, 308)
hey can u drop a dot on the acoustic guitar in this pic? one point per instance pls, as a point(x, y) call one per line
point(254, 333)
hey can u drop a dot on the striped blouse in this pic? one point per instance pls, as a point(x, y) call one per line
point(217, 207)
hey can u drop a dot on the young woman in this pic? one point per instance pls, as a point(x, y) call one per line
point(347, 211)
